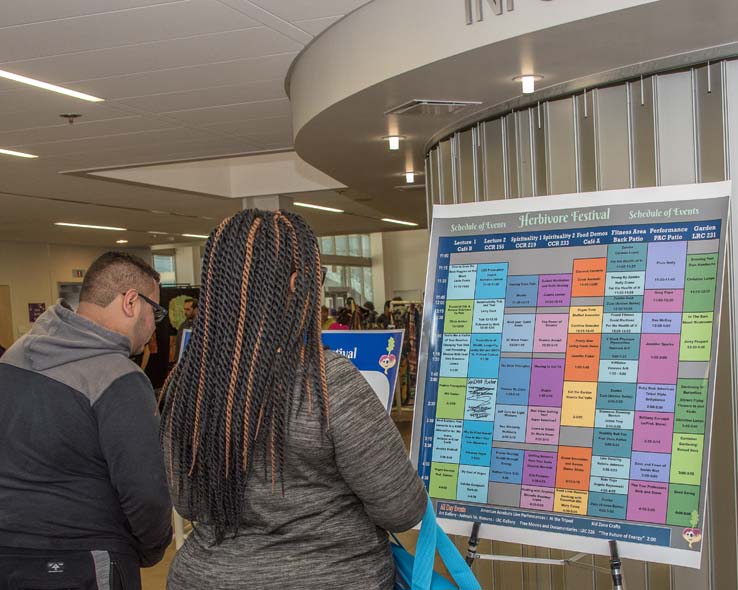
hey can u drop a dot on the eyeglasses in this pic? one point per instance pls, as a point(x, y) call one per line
point(160, 312)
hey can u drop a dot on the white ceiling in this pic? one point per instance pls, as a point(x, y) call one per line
point(180, 78)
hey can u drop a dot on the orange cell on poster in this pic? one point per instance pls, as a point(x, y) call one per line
point(588, 277)
point(573, 467)
point(582, 357)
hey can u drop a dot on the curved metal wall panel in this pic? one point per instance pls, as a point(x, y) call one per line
point(613, 137)
point(671, 128)
point(675, 124)
point(562, 146)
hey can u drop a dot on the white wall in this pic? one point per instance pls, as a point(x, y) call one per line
point(33, 271)
point(404, 264)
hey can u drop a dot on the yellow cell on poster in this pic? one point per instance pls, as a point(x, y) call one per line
point(571, 501)
point(585, 319)
point(578, 404)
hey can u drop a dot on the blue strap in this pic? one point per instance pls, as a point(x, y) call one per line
point(425, 550)
point(455, 563)
point(430, 538)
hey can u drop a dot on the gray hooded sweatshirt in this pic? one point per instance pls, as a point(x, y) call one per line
point(80, 462)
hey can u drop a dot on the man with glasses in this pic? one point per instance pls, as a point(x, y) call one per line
point(83, 493)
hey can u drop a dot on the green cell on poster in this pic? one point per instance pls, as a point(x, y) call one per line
point(683, 501)
point(451, 398)
point(691, 406)
point(696, 340)
point(443, 480)
point(686, 459)
point(459, 315)
point(699, 282)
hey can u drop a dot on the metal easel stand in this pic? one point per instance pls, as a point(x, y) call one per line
point(615, 569)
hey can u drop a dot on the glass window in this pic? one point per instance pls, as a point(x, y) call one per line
point(368, 287)
point(357, 283)
point(334, 276)
point(326, 245)
point(164, 265)
point(341, 245)
point(366, 246)
point(354, 245)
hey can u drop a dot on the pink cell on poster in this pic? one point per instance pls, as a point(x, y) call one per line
point(652, 432)
point(668, 300)
point(543, 426)
point(659, 358)
point(554, 290)
point(537, 498)
point(648, 501)
point(546, 382)
point(550, 332)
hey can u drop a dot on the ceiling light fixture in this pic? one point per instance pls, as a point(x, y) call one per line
point(84, 226)
point(394, 142)
point(528, 81)
point(47, 86)
point(121, 241)
point(17, 154)
point(318, 207)
point(397, 221)
point(157, 233)
point(409, 177)
point(198, 236)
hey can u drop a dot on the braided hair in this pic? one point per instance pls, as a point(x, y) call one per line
point(255, 340)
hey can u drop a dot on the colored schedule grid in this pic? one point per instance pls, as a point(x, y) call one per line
point(561, 391)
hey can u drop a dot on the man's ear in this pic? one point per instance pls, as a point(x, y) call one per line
point(129, 297)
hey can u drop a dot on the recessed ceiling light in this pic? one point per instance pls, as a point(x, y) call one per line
point(84, 226)
point(121, 241)
point(528, 81)
point(394, 142)
point(17, 154)
point(198, 236)
point(47, 86)
point(319, 207)
point(157, 233)
point(397, 221)
point(409, 177)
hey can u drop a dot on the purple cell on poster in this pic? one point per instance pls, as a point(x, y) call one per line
point(546, 382)
point(647, 501)
point(665, 265)
point(554, 290)
point(659, 358)
point(652, 432)
point(652, 397)
point(650, 466)
point(539, 469)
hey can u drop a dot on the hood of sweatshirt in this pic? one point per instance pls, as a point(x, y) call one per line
point(61, 336)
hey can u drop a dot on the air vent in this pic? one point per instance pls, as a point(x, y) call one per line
point(432, 108)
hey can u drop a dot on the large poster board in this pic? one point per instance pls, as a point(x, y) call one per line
point(568, 357)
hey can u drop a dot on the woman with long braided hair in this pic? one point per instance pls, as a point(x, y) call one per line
point(278, 450)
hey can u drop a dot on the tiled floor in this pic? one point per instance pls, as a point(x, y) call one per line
point(155, 578)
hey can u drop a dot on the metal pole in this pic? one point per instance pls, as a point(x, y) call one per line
point(615, 567)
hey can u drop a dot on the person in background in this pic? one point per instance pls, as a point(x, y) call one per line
point(190, 310)
point(385, 320)
point(370, 315)
point(278, 449)
point(343, 319)
point(325, 319)
point(83, 494)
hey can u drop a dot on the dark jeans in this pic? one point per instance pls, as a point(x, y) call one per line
point(26, 569)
